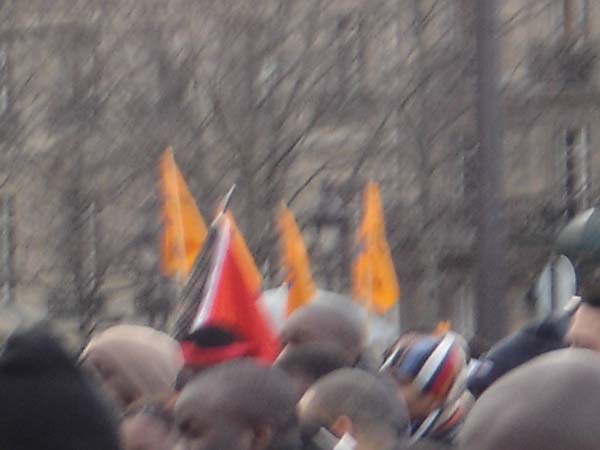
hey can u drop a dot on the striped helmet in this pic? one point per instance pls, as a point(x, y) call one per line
point(432, 363)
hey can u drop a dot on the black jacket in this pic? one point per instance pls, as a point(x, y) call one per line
point(46, 402)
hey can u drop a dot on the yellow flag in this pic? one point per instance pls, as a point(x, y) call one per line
point(251, 274)
point(374, 277)
point(184, 230)
point(294, 261)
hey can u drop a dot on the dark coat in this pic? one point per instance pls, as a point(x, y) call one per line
point(533, 340)
point(46, 402)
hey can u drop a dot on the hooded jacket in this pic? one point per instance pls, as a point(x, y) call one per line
point(46, 402)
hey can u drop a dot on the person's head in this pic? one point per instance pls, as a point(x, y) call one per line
point(326, 325)
point(426, 369)
point(584, 330)
point(355, 403)
point(132, 362)
point(590, 285)
point(47, 401)
point(550, 403)
point(308, 363)
point(238, 405)
point(149, 425)
point(429, 444)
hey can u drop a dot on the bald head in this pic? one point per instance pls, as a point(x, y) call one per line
point(307, 363)
point(551, 403)
point(237, 404)
point(376, 414)
point(132, 362)
point(325, 324)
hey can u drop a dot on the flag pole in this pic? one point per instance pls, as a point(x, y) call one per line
point(213, 225)
point(225, 207)
point(187, 295)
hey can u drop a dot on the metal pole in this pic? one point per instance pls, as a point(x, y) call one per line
point(491, 284)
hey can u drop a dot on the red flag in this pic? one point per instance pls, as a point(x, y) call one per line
point(230, 302)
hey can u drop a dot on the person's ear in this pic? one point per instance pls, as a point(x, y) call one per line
point(341, 426)
point(263, 435)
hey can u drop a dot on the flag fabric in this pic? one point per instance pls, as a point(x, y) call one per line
point(294, 262)
point(442, 328)
point(374, 276)
point(250, 271)
point(230, 303)
point(184, 230)
point(192, 293)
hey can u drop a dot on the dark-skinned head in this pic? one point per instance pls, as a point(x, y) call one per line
point(132, 362)
point(326, 325)
point(238, 406)
point(549, 403)
point(355, 402)
point(307, 363)
point(584, 331)
point(149, 425)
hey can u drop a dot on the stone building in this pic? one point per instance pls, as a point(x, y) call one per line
point(281, 97)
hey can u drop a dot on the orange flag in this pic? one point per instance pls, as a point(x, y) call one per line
point(294, 261)
point(184, 230)
point(374, 277)
point(442, 328)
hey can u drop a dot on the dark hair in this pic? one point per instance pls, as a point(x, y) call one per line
point(341, 326)
point(258, 395)
point(311, 361)
point(365, 398)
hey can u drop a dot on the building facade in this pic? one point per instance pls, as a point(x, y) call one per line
point(300, 101)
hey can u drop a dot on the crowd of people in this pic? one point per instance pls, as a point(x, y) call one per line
point(135, 388)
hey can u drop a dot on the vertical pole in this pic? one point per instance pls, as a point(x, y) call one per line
point(7, 249)
point(93, 249)
point(491, 308)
